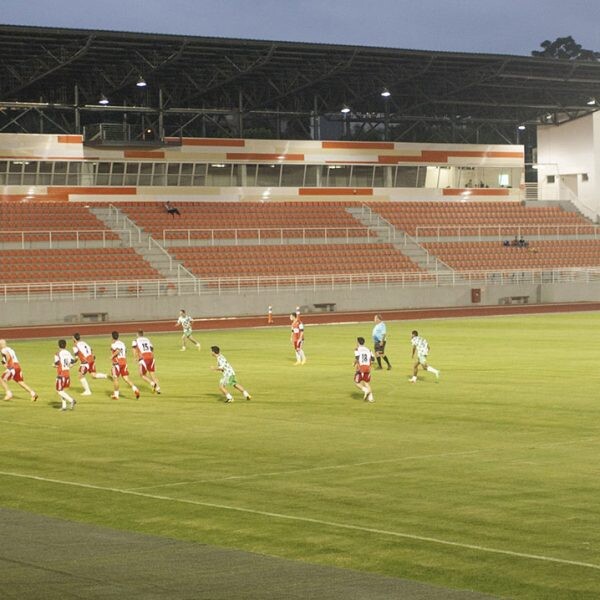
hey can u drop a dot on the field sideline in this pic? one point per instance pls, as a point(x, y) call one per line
point(485, 481)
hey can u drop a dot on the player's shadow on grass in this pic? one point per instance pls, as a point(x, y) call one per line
point(55, 403)
point(357, 396)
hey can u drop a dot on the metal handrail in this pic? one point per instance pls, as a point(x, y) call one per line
point(76, 233)
point(133, 288)
point(261, 237)
point(497, 233)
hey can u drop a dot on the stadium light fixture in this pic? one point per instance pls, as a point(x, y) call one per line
point(386, 93)
point(345, 109)
point(521, 127)
point(141, 82)
point(591, 102)
point(103, 100)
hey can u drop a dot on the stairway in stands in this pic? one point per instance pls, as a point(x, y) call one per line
point(386, 232)
point(142, 242)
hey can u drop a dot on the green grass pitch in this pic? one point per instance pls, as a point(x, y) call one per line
point(487, 480)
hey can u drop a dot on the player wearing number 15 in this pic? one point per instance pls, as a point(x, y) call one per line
point(144, 351)
point(363, 359)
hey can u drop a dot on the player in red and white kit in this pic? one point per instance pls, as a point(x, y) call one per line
point(118, 356)
point(144, 351)
point(297, 338)
point(13, 372)
point(87, 363)
point(63, 360)
point(363, 359)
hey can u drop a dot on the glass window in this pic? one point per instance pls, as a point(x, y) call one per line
point(311, 175)
point(362, 176)
point(131, 173)
point(158, 176)
point(199, 174)
point(145, 177)
point(3, 166)
point(406, 177)
point(337, 176)
point(268, 175)
point(173, 173)
point(292, 176)
point(251, 171)
point(379, 176)
point(73, 177)
point(116, 176)
point(218, 174)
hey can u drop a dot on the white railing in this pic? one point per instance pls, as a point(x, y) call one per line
point(260, 235)
point(122, 220)
point(57, 236)
point(500, 232)
point(180, 286)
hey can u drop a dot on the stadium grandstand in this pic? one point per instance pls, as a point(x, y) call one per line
point(302, 174)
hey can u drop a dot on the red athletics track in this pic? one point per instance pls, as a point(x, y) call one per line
point(66, 330)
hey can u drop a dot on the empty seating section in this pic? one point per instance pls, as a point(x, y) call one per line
point(301, 219)
point(83, 264)
point(42, 217)
point(448, 219)
point(289, 260)
point(543, 254)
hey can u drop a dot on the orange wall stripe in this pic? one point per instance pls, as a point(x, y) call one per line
point(335, 191)
point(70, 139)
point(358, 145)
point(111, 191)
point(212, 142)
point(442, 156)
point(476, 191)
point(143, 154)
point(262, 156)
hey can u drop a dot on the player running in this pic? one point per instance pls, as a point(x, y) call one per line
point(87, 363)
point(186, 323)
point(421, 348)
point(363, 359)
point(228, 377)
point(297, 338)
point(119, 366)
point(63, 360)
point(144, 352)
point(13, 371)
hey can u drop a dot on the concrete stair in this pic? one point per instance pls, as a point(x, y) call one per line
point(143, 243)
point(387, 233)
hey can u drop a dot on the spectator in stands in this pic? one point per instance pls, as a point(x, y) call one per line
point(469, 183)
point(506, 243)
point(522, 243)
point(172, 210)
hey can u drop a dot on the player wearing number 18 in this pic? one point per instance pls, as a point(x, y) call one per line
point(363, 359)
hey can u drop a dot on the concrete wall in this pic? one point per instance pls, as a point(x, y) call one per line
point(571, 152)
point(39, 312)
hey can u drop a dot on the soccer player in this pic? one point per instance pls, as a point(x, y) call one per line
point(119, 366)
point(63, 360)
point(13, 371)
point(144, 351)
point(421, 348)
point(297, 338)
point(363, 358)
point(87, 363)
point(186, 323)
point(228, 377)
point(379, 334)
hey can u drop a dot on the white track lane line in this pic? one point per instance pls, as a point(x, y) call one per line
point(333, 524)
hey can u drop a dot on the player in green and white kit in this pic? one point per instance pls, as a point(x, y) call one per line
point(228, 377)
point(420, 346)
point(186, 323)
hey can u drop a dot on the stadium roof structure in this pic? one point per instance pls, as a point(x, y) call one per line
point(51, 80)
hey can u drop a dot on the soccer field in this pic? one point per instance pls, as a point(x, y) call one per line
point(487, 480)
